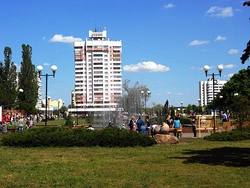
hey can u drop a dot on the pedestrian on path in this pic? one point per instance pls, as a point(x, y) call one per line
point(193, 124)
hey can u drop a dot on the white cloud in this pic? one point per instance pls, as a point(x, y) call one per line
point(148, 66)
point(66, 39)
point(230, 75)
point(229, 66)
point(46, 64)
point(179, 94)
point(219, 38)
point(220, 12)
point(233, 51)
point(198, 42)
point(168, 93)
point(167, 6)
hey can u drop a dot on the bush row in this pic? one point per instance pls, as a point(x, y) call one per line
point(59, 137)
point(236, 135)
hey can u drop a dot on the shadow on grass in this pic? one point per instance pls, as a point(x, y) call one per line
point(227, 156)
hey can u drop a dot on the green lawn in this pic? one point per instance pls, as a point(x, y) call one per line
point(81, 121)
point(62, 122)
point(191, 163)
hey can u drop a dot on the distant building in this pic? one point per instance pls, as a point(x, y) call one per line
point(52, 105)
point(206, 90)
point(98, 74)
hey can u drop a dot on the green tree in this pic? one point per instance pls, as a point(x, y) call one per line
point(28, 82)
point(69, 120)
point(8, 81)
point(235, 96)
point(245, 55)
point(62, 110)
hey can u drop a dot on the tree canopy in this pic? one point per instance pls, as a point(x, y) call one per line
point(235, 95)
point(28, 82)
point(8, 81)
point(245, 55)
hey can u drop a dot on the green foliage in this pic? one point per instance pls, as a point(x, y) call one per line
point(229, 136)
point(90, 118)
point(185, 120)
point(154, 120)
point(69, 120)
point(246, 53)
point(27, 82)
point(60, 137)
point(8, 81)
point(235, 96)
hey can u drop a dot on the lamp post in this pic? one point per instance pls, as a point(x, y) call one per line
point(199, 102)
point(146, 95)
point(40, 68)
point(181, 107)
point(206, 69)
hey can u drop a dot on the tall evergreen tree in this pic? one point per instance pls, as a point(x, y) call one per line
point(8, 80)
point(28, 82)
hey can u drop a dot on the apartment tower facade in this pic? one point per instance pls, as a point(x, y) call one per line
point(98, 73)
point(206, 90)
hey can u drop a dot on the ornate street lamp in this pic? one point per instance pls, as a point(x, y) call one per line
point(206, 69)
point(40, 68)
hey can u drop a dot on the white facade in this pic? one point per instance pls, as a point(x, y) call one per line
point(98, 73)
point(206, 90)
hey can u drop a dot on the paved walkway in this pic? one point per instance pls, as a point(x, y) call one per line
point(198, 135)
point(188, 133)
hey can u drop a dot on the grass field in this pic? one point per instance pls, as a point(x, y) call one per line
point(191, 163)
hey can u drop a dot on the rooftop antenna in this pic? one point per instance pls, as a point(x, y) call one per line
point(95, 28)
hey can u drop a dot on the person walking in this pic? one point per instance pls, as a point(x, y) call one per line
point(193, 120)
point(21, 124)
point(224, 117)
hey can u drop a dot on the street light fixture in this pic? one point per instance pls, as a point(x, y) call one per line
point(146, 95)
point(199, 102)
point(206, 69)
point(40, 68)
point(181, 107)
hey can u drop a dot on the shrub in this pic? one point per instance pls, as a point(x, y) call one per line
point(185, 120)
point(229, 136)
point(69, 120)
point(59, 137)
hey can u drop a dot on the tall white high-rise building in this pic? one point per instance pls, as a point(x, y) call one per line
point(98, 73)
point(206, 90)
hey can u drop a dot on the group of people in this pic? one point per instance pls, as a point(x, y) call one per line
point(139, 125)
point(142, 127)
point(20, 120)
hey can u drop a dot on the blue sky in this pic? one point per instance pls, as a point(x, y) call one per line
point(165, 43)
